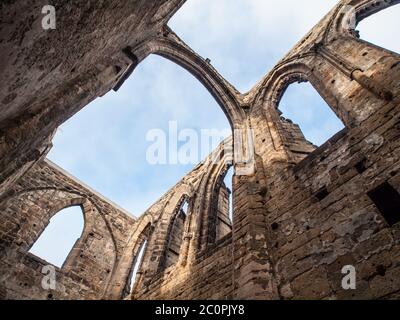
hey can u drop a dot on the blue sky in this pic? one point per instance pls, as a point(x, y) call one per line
point(245, 39)
point(104, 145)
point(64, 229)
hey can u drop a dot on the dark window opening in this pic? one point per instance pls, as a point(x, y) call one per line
point(387, 200)
point(361, 166)
point(274, 226)
point(322, 194)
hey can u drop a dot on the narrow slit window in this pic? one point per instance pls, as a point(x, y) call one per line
point(225, 206)
point(185, 208)
point(176, 236)
point(387, 200)
point(58, 238)
point(136, 266)
point(229, 185)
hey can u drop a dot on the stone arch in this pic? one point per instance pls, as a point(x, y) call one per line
point(119, 277)
point(60, 205)
point(142, 241)
point(57, 199)
point(214, 204)
point(353, 12)
point(208, 230)
point(301, 72)
point(344, 31)
point(172, 221)
point(173, 49)
point(203, 227)
point(80, 199)
point(157, 244)
point(366, 64)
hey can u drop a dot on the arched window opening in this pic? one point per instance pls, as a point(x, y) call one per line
point(176, 235)
point(307, 120)
point(225, 206)
point(133, 145)
point(185, 207)
point(59, 237)
point(137, 264)
point(265, 30)
point(382, 28)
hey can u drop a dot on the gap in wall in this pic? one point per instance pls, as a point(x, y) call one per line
point(60, 235)
point(302, 104)
point(382, 28)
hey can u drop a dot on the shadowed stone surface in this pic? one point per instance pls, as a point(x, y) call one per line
point(300, 213)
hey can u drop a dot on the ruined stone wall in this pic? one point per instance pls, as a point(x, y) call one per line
point(37, 197)
point(318, 218)
point(209, 277)
point(175, 247)
point(295, 141)
point(302, 215)
point(47, 76)
point(321, 218)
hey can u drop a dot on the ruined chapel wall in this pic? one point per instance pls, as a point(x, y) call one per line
point(321, 218)
point(209, 277)
point(37, 197)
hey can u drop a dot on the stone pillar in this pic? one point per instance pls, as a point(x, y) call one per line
point(253, 270)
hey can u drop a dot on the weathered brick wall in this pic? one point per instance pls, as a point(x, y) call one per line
point(175, 239)
point(315, 234)
point(209, 277)
point(300, 214)
point(37, 197)
point(297, 222)
point(175, 245)
point(47, 76)
point(295, 140)
point(311, 234)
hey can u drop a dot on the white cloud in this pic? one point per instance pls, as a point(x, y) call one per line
point(244, 39)
point(382, 28)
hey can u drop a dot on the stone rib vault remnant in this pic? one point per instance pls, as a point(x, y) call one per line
point(301, 213)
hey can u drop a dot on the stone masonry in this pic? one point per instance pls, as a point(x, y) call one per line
point(300, 212)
